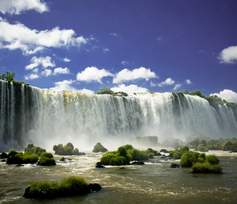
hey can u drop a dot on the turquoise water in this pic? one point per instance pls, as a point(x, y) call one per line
point(151, 183)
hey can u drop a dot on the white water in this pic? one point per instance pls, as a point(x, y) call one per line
point(86, 119)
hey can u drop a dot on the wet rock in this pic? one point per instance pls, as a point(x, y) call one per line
point(99, 165)
point(3, 155)
point(94, 187)
point(174, 165)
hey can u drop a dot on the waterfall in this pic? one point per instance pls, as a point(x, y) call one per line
point(44, 117)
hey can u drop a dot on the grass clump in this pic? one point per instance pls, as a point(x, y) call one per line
point(70, 186)
point(99, 148)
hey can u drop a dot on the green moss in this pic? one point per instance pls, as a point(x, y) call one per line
point(99, 148)
point(46, 159)
point(70, 186)
point(206, 167)
point(15, 158)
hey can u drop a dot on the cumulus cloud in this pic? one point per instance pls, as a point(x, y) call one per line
point(46, 72)
point(177, 87)
point(44, 62)
point(29, 41)
point(19, 6)
point(61, 70)
point(90, 74)
point(168, 82)
point(65, 85)
point(130, 75)
point(188, 81)
point(31, 76)
point(228, 55)
point(130, 89)
point(227, 95)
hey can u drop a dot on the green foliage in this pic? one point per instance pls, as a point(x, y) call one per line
point(204, 145)
point(70, 186)
point(206, 167)
point(188, 159)
point(15, 158)
point(99, 148)
point(125, 154)
point(8, 76)
point(46, 159)
point(67, 149)
point(34, 150)
point(177, 153)
point(212, 159)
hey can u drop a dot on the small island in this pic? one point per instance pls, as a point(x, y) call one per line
point(70, 186)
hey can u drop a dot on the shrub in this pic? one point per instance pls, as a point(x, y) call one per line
point(70, 186)
point(113, 158)
point(99, 148)
point(212, 159)
point(29, 158)
point(151, 153)
point(67, 149)
point(188, 159)
point(177, 153)
point(206, 167)
point(34, 150)
point(46, 159)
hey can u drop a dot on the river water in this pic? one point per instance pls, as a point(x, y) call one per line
point(150, 183)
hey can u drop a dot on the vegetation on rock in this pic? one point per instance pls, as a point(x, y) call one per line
point(71, 186)
point(110, 92)
point(125, 154)
point(206, 167)
point(67, 149)
point(99, 148)
point(46, 159)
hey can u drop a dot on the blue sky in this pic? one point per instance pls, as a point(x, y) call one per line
point(160, 45)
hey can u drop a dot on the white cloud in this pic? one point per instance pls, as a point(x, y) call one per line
point(130, 89)
point(168, 82)
point(227, 95)
point(130, 75)
point(61, 70)
point(86, 91)
point(65, 85)
point(114, 34)
point(29, 41)
point(46, 72)
point(19, 6)
point(66, 59)
point(44, 62)
point(177, 86)
point(228, 55)
point(93, 74)
point(188, 81)
point(31, 76)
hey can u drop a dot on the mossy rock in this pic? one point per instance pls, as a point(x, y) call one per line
point(3, 155)
point(67, 149)
point(99, 148)
point(34, 149)
point(71, 186)
point(46, 159)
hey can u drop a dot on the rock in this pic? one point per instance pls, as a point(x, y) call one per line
point(99, 165)
point(137, 163)
point(19, 165)
point(3, 155)
point(62, 159)
point(94, 187)
point(174, 165)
